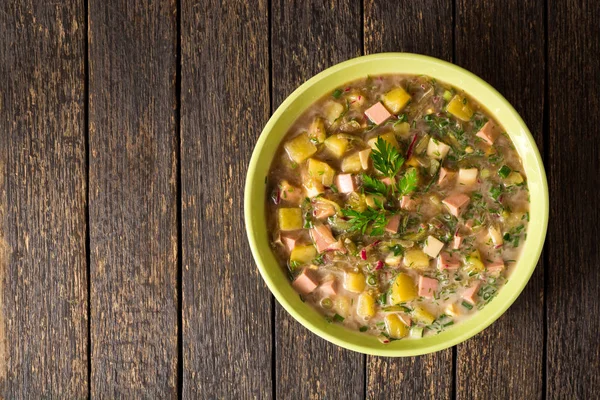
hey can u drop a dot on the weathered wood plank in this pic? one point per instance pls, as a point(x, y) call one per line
point(132, 199)
point(421, 27)
point(224, 105)
point(573, 308)
point(43, 273)
point(510, 56)
point(307, 37)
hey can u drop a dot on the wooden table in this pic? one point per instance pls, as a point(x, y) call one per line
point(126, 128)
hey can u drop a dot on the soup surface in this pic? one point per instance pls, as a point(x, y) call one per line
point(397, 205)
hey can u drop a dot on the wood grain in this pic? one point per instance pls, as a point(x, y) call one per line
point(224, 105)
point(422, 27)
point(308, 37)
point(43, 275)
point(572, 245)
point(507, 357)
point(133, 203)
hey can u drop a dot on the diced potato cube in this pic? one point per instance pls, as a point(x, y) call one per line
point(312, 187)
point(395, 327)
point(342, 306)
point(459, 107)
point(415, 258)
point(290, 219)
point(300, 148)
point(437, 149)
point(514, 178)
point(416, 332)
point(364, 158)
point(356, 99)
point(393, 260)
point(467, 176)
point(402, 129)
point(413, 162)
point(452, 310)
point(303, 254)
point(320, 171)
point(473, 263)
point(365, 306)
point(395, 100)
point(351, 163)
point(336, 145)
point(333, 110)
point(423, 315)
point(485, 173)
point(317, 131)
point(354, 282)
point(495, 235)
point(403, 289)
point(374, 200)
point(388, 137)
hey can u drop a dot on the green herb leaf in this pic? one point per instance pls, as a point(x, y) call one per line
point(372, 185)
point(360, 221)
point(409, 181)
point(338, 318)
point(504, 171)
point(386, 158)
point(337, 93)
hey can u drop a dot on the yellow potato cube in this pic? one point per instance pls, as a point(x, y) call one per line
point(403, 289)
point(333, 110)
point(388, 137)
point(473, 262)
point(354, 282)
point(412, 162)
point(395, 100)
point(342, 306)
point(351, 164)
point(496, 235)
point(364, 156)
point(402, 129)
point(452, 310)
point(317, 131)
point(395, 327)
point(336, 145)
point(289, 219)
point(417, 259)
point(300, 148)
point(514, 178)
point(320, 172)
point(423, 315)
point(303, 254)
point(365, 306)
point(460, 108)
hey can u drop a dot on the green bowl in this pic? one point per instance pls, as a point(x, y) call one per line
point(326, 82)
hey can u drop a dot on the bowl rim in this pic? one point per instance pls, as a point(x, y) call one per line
point(252, 179)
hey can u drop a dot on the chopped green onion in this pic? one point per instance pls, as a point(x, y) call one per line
point(337, 93)
point(327, 303)
point(338, 318)
point(466, 305)
point(363, 328)
point(447, 95)
point(504, 171)
point(371, 280)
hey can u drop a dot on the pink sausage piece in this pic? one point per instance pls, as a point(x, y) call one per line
point(470, 293)
point(488, 133)
point(345, 183)
point(393, 223)
point(456, 203)
point(427, 286)
point(377, 113)
point(306, 282)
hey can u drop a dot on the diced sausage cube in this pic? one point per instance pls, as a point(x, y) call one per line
point(447, 261)
point(495, 267)
point(470, 293)
point(345, 183)
point(290, 240)
point(329, 287)
point(407, 203)
point(322, 236)
point(444, 176)
point(488, 133)
point(467, 176)
point(306, 282)
point(427, 286)
point(432, 247)
point(456, 203)
point(290, 193)
point(393, 223)
point(458, 239)
point(377, 113)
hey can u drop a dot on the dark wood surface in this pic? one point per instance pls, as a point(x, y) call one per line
point(126, 128)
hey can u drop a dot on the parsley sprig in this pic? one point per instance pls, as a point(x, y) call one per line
point(409, 181)
point(386, 158)
point(374, 186)
point(359, 221)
